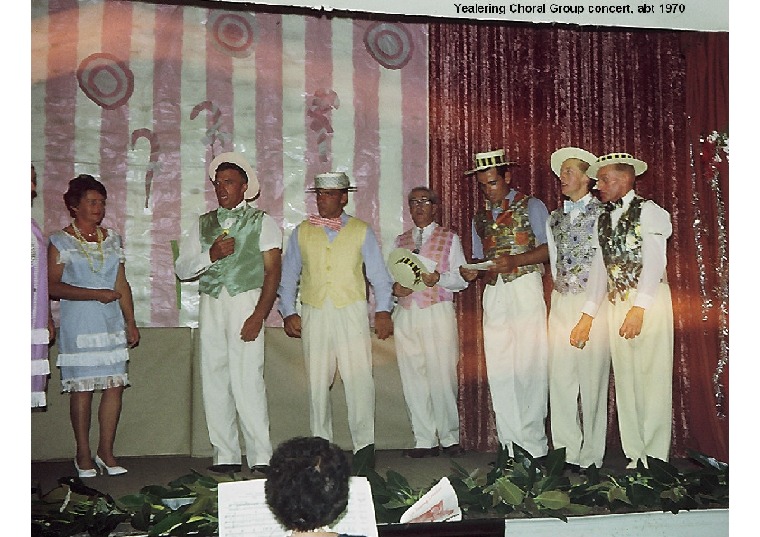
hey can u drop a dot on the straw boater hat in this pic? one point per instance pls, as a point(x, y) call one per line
point(561, 155)
point(406, 268)
point(639, 166)
point(490, 159)
point(332, 181)
point(239, 159)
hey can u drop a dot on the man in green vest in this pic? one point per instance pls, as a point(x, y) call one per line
point(235, 252)
point(328, 254)
point(629, 270)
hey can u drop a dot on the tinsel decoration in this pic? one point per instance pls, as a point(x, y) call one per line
point(714, 147)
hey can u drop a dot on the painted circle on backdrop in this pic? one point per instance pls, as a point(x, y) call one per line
point(389, 44)
point(233, 33)
point(106, 80)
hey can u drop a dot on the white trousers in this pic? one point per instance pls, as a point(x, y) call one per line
point(578, 374)
point(338, 339)
point(232, 378)
point(516, 349)
point(643, 368)
point(427, 350)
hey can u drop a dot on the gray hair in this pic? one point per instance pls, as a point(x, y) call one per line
point(431, 194)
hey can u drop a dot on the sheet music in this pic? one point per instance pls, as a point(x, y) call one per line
point(243, 511)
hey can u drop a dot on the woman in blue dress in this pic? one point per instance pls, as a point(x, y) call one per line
point(86, 273)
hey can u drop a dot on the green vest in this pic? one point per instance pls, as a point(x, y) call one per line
point(241, 271)
point(621, 249)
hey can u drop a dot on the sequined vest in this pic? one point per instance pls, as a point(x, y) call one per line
point(621, 248)
point(510, 234)
point(436, 248)
point(242, 270)
point(575, 251)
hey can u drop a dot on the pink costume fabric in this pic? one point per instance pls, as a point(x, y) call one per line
point(40, 366)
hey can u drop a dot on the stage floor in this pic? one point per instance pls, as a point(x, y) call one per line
point(421, 473)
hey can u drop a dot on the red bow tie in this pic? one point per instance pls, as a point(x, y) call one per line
point(332, 223)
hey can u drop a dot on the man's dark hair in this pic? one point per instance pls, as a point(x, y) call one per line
point(232, 166)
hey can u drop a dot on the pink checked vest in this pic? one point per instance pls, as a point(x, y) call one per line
point(436, 248)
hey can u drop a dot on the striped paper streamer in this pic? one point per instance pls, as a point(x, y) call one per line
point(142, 96)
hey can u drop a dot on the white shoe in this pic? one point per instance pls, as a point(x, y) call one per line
point(92, 472)
point(110, 470)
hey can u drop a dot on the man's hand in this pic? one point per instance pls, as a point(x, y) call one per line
point(251, 328)
point(383, 325)
point(579, 334)
point(431, 278)
point(503, 264)
point(631, 326)
point(400, 290)
point(468, 274)
point(223, 246)
point(292, 324)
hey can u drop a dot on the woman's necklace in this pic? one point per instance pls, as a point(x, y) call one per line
point(86, 247)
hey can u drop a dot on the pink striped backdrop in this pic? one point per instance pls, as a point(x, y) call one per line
point(299, 95)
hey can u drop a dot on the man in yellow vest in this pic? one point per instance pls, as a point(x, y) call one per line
point(327, 252)
point(235, 251)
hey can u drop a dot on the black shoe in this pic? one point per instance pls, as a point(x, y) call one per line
point(420, 453)
point(224, 468)
point(573, 468)
point(454, 450)
point(260, 468)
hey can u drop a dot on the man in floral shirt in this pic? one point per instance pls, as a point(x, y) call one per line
point(510, 232)
point(630, 265)
point(575, 372)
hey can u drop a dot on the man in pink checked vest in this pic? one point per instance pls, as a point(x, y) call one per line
point(425, 329)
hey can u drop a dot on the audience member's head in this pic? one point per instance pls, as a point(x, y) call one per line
point(307, 483)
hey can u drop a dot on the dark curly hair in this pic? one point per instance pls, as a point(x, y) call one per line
point(307, 483)
point(78, 188)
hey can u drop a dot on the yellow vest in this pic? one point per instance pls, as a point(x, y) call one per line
point(332, 269)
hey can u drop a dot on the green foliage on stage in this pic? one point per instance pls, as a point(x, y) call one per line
point(518, 486)
point(522, 486)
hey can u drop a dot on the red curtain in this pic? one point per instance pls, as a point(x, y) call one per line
point(532, 89)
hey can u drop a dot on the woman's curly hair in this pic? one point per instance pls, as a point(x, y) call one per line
point(78, 188)
point(307, 483)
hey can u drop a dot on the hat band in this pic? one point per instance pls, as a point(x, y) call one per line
point(488, 162)
point(614, 156)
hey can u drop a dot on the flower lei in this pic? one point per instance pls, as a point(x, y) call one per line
point(85, 247)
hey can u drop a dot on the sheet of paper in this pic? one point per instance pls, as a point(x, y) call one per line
point(478, 266)
point(439, 504)
point(243, 511)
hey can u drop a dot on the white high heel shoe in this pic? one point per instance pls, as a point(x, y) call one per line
point(92, 472)
point(110, 470)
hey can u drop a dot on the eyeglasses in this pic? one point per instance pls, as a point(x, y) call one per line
point(419, 201)
point(331, 193)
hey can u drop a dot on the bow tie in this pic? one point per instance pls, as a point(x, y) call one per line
point(223, 214)
point(332, 223)
point(570, 205)
point(612, 205)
